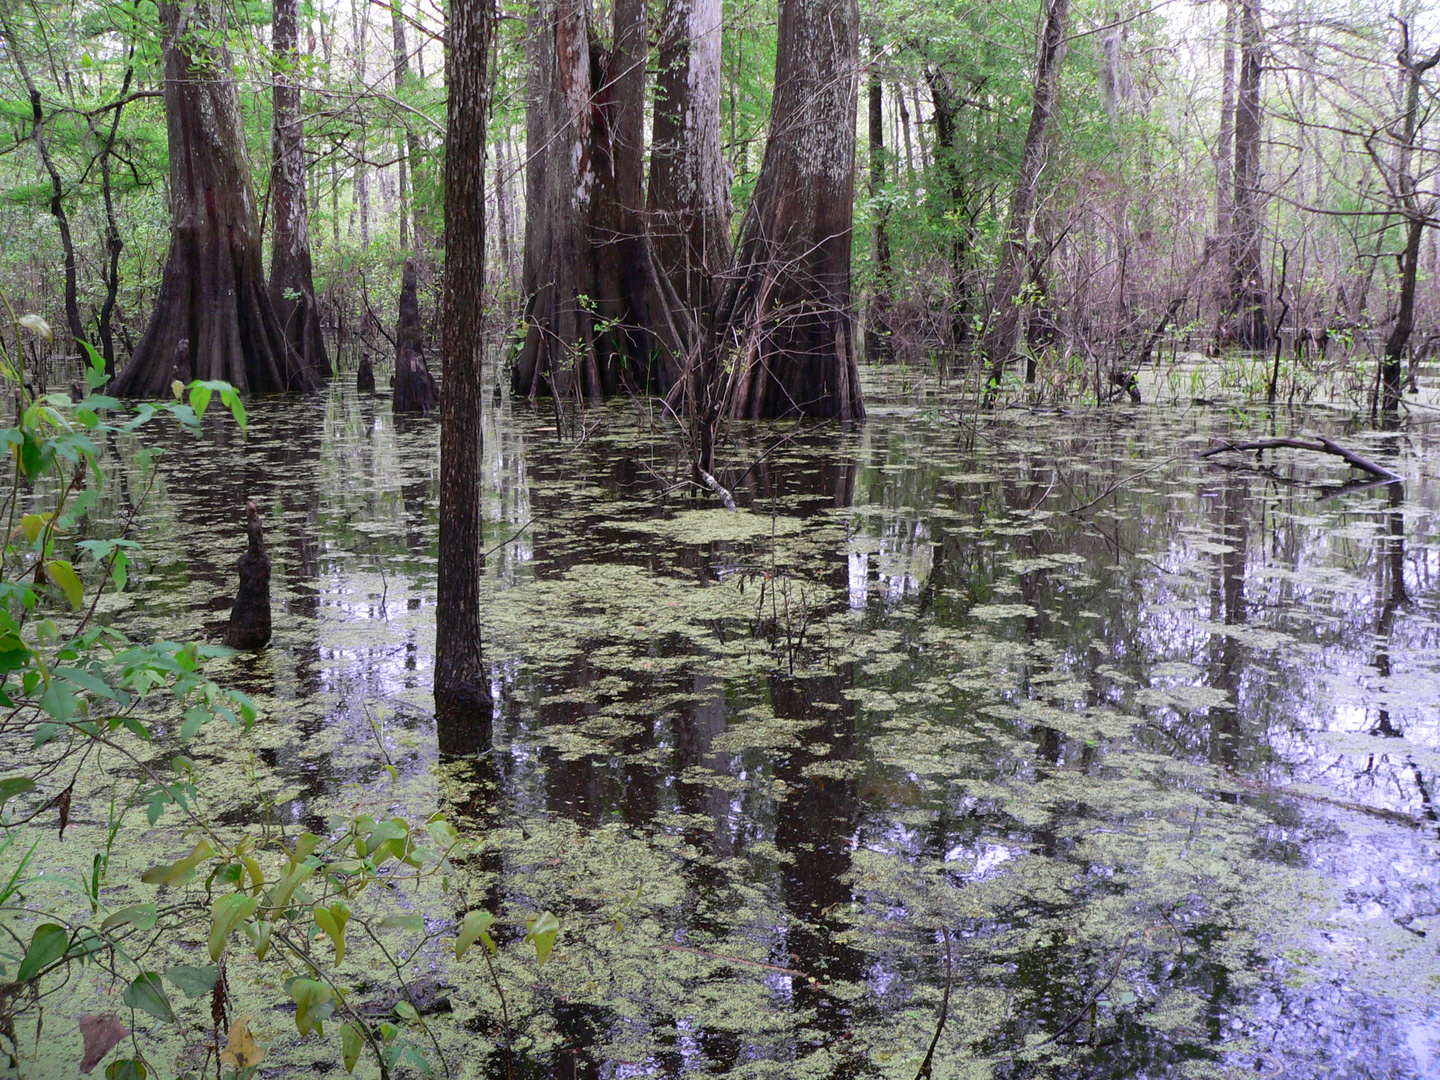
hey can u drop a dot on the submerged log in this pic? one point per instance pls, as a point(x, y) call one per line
point(1320, 445)
point(365, 376)
point(250, 617)
point(415, 389)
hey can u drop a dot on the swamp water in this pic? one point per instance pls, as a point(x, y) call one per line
point(1124, 756)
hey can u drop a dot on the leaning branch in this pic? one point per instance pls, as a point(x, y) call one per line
point(1320, 445)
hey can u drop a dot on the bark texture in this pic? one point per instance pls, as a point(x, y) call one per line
point(292, 286)
point(689, 198)
point(1246, 325)
point(1002, 328)
point(213, 288)
point(585, 273)
point(462, 696)
point(787, 311)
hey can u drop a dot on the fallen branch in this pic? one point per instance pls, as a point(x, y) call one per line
point(715, 486)
point(736, 960)
point(1320, 445)
point(925, 1066)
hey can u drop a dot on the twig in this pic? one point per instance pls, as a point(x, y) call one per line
point(924, 1072)
point(715, 486)
point(736, 960)
point(1320, 445)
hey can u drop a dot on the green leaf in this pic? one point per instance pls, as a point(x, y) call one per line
point(332, 920)
point(193, 982)
point(32, 525)
point(140, 916)
point(476, 924)
point(44, 733)
point(199, 399)
point(126, 1069)
point(147, 994)
point(310, 998)
point(47, 945)
point(406, 1011)
point(63, 574)
point(352, 1041)
point(225, 914)
point(182, 872)
point(58, 701)
point(540, 932)
point(12, 786)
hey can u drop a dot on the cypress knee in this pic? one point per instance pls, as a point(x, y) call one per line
point(415, 389)
point(365, 376)
point(250, 617)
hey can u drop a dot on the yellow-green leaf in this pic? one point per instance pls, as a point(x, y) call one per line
point(310, 996)
point(225, 914)
point(332, 920)
point(63, 574)
point(32, 525)
point(179, 873)
point(540, 932)
point(476, 924)
point(352, 1040)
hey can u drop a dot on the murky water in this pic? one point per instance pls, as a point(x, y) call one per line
point(1125, 756)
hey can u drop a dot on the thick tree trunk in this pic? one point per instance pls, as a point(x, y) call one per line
point(1246, 325)
point(584, 248)
point(559, 185)
point(1002, 329)
point(462, 696)
point(1416, 218)
point(292, 288)
point(877, 315)
point(213, 289)
point(689, 180)
point(787, 311)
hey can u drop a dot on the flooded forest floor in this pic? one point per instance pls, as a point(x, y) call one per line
point(1126, 756)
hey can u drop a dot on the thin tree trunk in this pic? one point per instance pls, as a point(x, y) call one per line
point(1246, 324)
point(57, 189)
point(411, 153)
point(402, 66)
point(1002, 330)
point(788, 307)
point(113, 241)
point(949, 160)
point(905, 127)
point(877, 323)
point(1415, 221)
point(292, 287)
point(1225, 150)
point(462, 697)
point(213, 302)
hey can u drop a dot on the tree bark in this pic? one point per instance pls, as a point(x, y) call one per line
point(1246, 325)
point(213, 289)
point(462, 696)
point(1002, 329)
point(787, 310)
point(949, 160)
point(585, 267)
point(689, 198)
point(292, 286)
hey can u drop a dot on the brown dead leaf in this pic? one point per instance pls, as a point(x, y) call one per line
point(242, 1051)
point(100, 1033)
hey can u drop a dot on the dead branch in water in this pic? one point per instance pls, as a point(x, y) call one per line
point(1320, 445)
